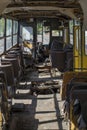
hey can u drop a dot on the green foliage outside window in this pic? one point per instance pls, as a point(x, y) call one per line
point(2, 27)
point(39, 28)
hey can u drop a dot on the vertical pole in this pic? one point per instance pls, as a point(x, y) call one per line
point(18, 33)
point(5, 37)
point(34, 37)
point(12, 33)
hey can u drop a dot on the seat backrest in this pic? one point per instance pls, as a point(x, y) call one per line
point(19, 53)
point(8, 70)
point(15, 64)
point(3, 77)
point(74, 86)
point(56, 45)
point(69, 60)
point(67, 77)
point(80, 94)
point(58, 60)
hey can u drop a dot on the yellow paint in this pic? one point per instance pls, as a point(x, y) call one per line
point(1, 119)
point(77, 50)
point(84, 56)
point(28, 44)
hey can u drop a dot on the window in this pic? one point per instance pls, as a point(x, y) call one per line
point(77, 39)
point(46, 35)
point(15, 27)
point(1, 45)
point(20, 35)
point(2, 27)
point(2, 30)
point(39, 31)
point(71, 31)
point(8, 27)
point(66, 35)
point(27, 33)
point(57, 33)
point(8, 34)
point(14, 39)
point(15, 31)
point(61, 33)
point(76, 22)
point(86, 42)
point(8, 42)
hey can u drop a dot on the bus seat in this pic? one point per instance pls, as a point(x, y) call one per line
point(4, 81)
point(7, 68)
point(56, 45)
point(69, 60)
point(81, 95)
point(15, 64)
point(18, 53)
point(58, 60)
point(67, 77)
point(79, 83)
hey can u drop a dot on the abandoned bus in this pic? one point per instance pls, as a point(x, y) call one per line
point(43, 65)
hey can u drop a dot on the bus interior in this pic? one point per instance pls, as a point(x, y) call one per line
point(43, 65)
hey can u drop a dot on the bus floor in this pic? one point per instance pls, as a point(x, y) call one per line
point(38, 111)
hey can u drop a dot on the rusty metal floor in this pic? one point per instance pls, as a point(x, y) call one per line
point(41, 112)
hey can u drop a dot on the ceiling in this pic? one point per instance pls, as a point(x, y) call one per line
point(25, 9)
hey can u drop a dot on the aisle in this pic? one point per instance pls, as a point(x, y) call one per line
point(38, 111)
point(48, 112)
point(42, 112)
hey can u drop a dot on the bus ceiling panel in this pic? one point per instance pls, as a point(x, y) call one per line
point(66, 11)
point(52, 8)
point(57, 3)
point(83, 4)
point(3, 4)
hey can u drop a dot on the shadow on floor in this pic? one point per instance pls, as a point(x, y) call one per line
point(25, 120)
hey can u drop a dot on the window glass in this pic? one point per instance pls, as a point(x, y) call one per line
point(14, 39)
point(39, 32)
point(77, 39)
point(71, 26)
point(71, 31)
point(71, 39)
point(61, 33)
point(8, 42)
point(20, 40)
point(55, 33)
point(15, 27)
point(46, 35)
point(1, 46)
point(2, 27)
point(76, 22)
point(27, 33)
point(21, 30)
point(86, 42)
point(8, 27)
point(65, 35)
